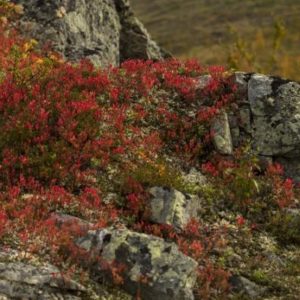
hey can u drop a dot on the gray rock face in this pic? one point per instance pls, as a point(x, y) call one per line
point(277, 122)
point(171, 207)
point(269, 116)
point(259, 91)
point(169, 274)
point(104, 31)
point(135, 42)
point(24, 281)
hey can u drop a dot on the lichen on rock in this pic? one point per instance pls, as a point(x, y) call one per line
point(168, 273)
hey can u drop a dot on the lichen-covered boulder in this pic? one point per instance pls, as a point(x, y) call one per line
point(276, 118)
point(171, 207)
point(104, 31)
point(153, 268)
point(269, 117)
point(20, 280)
point(269, 112)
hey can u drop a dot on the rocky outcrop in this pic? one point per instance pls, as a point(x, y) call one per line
point(154, 269)
point(268, 115)
point(104, 31)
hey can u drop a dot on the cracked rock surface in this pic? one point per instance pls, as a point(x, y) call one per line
point(20, 280)
point(104, 31)
point(169, 273)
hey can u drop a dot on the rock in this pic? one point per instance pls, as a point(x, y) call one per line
point(287, 227)
point(203, 81)
point(171, 207)
point(277, 122)
point(240, 79)
point(264, 162)
point(63, 220)
point(274, 259)
point(135, 42)
point(168, 273)
point(110, 198)
point(194, 177)
point(235, 135)
point(222, 135)
point(291, 167)
point(234, 129)
point(245, 287)
point(104, 31)
point(25, 281)
point(269, 117)
point(245, 119)
point(259, 89)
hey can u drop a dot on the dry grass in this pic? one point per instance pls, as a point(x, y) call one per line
point(210, 30)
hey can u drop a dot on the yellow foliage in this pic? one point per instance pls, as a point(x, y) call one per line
point(28, 46)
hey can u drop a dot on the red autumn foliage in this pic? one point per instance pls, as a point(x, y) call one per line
point(65, 127)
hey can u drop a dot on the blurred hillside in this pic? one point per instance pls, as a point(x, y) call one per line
point(260, 35)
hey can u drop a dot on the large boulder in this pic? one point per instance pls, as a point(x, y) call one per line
point(154, 269)
point(269, 116)
point(276, 116)
point(104, 31)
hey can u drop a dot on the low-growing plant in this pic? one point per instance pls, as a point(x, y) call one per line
point(71, 134)
point(286, 227)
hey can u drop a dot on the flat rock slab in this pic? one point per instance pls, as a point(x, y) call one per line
point(166, 272)
point(20, 280)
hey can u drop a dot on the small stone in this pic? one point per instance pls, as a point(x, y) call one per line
point(222, 136)
point(203, 81)
point(244, 286)
point(195, 177)
point(171, 207)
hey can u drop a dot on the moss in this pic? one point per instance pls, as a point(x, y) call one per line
point(259, 276)
point(285, 227)
point(159, 173)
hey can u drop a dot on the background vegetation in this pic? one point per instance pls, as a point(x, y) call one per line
point(251, 35)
